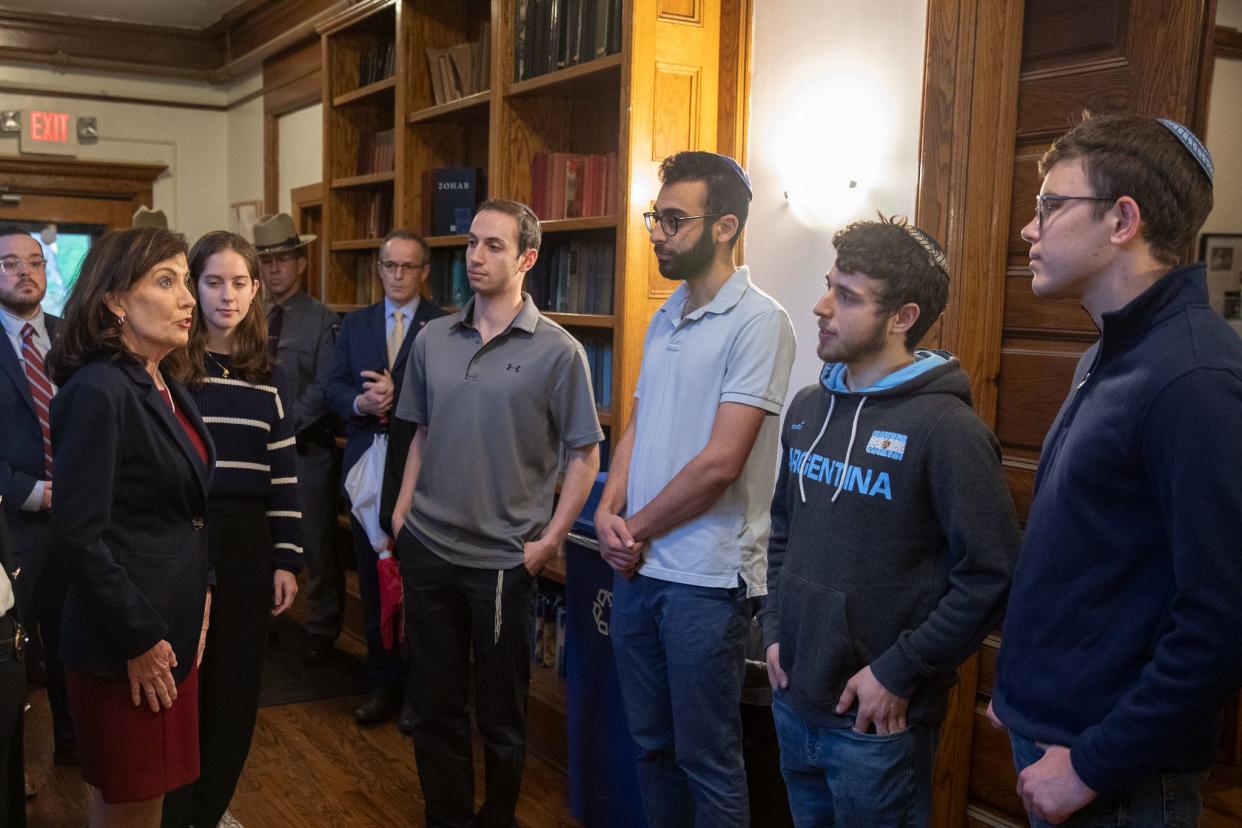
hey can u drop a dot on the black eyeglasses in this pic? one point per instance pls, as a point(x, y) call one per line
point(391, 267)
point(1045, 204)
point(670, 223)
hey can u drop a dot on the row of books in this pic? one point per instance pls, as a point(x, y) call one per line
point(599, 360)
point(447, 281)
point(572, 185)
point(547, 631)
point(461, 70)
point(375, 64)
point(573, 277)
point(377, 152)
point(553, 34)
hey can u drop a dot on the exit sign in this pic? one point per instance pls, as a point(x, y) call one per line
point(48, 133)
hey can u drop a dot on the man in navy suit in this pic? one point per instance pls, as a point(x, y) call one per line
point(367, 372)
point(25, 461)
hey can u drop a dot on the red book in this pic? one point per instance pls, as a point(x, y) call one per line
point(575, 174)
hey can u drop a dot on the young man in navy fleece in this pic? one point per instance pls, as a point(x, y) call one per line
point(1121, 638)
point(893, 540)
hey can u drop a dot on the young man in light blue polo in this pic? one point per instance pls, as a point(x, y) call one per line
point(683, 518)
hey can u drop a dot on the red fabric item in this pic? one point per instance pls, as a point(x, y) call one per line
point(190, 431)
point(129, 753)
point(392, 621)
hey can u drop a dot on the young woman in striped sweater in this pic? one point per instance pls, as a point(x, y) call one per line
point(253, 513)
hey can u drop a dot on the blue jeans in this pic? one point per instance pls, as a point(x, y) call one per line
point(1156, 801)
point(835, 776)
point(679, 659)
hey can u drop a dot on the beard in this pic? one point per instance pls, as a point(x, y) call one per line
point(857, 349)
point(21, 304)
point(691, 263)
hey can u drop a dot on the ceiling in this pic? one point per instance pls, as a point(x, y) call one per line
point(189, 14)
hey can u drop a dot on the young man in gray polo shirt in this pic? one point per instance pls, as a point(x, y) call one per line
point(684, 517)
point(499, 392)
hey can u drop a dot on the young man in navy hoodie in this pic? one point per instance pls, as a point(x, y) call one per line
point(893, 540)
point(1121, 637)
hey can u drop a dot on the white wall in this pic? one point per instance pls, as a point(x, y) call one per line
point(1224, 126)
point(244, 125)
point(840, 81)
point(197, 145)
point(301, 151)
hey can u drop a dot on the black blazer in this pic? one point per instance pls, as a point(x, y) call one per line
point(363, 346)
point(21, 466)
point(129, 518)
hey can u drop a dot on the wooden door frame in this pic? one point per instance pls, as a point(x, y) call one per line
point(970, 101)
point(93, 179)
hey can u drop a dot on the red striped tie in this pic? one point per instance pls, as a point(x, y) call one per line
point(40, 389)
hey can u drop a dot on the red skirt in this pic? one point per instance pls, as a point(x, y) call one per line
point(129, 753)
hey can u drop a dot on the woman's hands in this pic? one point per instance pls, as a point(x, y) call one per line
point(150, 676)
point(284, 588)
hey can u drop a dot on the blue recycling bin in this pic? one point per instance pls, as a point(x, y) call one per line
point(603, 776)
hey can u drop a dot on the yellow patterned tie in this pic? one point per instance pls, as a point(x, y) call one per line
point(395, 338)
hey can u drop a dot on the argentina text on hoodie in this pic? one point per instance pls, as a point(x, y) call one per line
point(893, 538)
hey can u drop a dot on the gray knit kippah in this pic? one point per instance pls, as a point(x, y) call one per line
point(935, 253)
point(1192, 144)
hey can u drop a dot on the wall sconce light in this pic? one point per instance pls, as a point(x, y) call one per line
point(832, 149)
point(10, 120)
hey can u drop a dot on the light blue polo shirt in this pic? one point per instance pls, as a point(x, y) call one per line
point(738, 348)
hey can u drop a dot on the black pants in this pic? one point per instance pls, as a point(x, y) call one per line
point(12, 705)
point(240, 546)
point(450, 612)
point(49, 605)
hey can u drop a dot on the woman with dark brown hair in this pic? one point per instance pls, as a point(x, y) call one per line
point(252, 508)
point(133, 462)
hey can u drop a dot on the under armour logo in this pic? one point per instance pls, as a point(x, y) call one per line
point(513, 368)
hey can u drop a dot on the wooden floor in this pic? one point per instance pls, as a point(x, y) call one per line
point(310, 765)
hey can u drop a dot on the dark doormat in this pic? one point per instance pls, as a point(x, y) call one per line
point(286, 680)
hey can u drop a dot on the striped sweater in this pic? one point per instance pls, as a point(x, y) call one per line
point(255, 452)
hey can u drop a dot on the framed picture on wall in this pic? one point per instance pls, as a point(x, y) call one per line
point(242, 217)
point(1223, 254)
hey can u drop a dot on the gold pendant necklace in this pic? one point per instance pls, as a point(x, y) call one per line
point(223, 370)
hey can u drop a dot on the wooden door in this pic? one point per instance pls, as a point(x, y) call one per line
point(1107, 56)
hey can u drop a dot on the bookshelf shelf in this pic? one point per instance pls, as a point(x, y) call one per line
point(605, 416)
point(555, 570)
point(368, 181)
point(356, 244)
point(458, 240)
point(452, 110)
point(576, 224)
point(572, 79)
point(581, 320)
point(383, 88)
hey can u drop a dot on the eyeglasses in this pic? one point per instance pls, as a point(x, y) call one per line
point(390, 267)
point(273, 259)
point(670, 223)
point(1045, 204)
point(11, 265)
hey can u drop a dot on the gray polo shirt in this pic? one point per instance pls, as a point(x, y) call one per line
point(737, 348)
point(496, 418)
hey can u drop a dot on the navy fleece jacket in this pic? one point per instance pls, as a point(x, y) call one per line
point(1123, 636)
point(893, 538)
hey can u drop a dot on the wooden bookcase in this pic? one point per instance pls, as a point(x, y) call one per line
point(678, 82)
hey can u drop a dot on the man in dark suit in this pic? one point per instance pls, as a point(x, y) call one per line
point(366, 378)
point(26, 461)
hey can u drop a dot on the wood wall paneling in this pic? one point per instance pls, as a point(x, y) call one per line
point(682, 11)
point(1061, 30)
